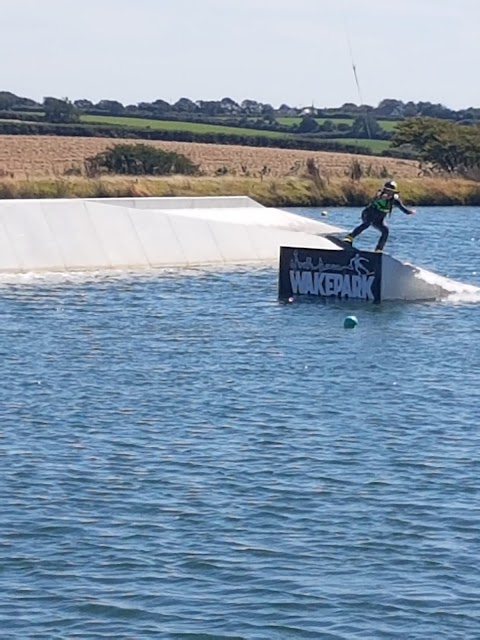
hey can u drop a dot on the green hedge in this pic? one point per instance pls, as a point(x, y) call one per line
point(15, 115)
point(106, 131)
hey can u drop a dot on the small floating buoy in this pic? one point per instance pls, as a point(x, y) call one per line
point(324, 214)
point(291, 299)
point(350, 322)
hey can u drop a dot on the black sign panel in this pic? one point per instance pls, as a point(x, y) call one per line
point(327, 273)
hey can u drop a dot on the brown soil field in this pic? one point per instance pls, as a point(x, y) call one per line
point(49, 156)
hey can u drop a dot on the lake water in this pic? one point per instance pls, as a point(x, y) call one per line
point(183, 457)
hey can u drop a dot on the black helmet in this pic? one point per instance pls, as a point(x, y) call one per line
point(391, 185)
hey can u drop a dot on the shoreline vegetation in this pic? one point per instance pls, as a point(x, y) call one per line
point(274, 192)
point(66, 167)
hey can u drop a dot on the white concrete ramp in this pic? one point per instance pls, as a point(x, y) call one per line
point(404, 281)
point(135, 233)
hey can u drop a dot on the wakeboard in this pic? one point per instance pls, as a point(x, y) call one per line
point(343, 244)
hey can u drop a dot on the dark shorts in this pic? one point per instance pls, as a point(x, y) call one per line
point(374, 217)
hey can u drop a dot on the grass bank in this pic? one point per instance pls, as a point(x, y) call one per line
point(280, 192)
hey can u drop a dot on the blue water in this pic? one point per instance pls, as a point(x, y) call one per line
point(183, 457)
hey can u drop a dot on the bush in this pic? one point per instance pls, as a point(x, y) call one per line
point(139, 160)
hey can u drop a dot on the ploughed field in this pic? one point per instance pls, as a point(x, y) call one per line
point(49, 156)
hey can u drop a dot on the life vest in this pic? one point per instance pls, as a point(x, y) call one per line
point(382, 203)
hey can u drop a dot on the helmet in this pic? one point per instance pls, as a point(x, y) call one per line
point(391, 185)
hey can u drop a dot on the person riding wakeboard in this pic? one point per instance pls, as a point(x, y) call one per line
point(377, 210)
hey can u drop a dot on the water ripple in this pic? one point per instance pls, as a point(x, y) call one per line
point(185, 458)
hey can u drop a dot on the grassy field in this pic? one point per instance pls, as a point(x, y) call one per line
point(287, 121)
point(197, 127)
point(377, 146)
point(50, 156)
point(167, 125)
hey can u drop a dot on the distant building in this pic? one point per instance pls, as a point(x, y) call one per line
point(308, 111)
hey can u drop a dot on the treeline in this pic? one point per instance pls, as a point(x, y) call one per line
point(392, 109)
point(58, 111)
point(388, 108)
point(442, 146)
point(66, 112)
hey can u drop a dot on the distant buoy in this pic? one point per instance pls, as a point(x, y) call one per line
point(291, 299)
point(350, 322)
point(324, 214)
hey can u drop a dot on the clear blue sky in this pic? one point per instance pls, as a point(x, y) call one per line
point(275, 51)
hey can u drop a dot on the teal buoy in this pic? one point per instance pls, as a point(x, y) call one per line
point(350, 322)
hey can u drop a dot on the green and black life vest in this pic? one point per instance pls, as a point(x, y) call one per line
point(382, 204)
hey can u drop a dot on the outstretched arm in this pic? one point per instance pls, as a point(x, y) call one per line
point(398, 203)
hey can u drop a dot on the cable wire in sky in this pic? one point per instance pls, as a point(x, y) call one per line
point(354, 66)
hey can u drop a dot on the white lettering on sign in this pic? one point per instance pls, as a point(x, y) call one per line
point(332, 284)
